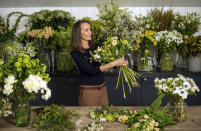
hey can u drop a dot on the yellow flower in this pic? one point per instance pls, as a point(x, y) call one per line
point(143, 35)
point(155, 43)
point(146, 51)
point(138, 41)
point(135, 47)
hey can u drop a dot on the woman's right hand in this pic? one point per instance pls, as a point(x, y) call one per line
point(119, 62)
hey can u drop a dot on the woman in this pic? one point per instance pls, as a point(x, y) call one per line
point(93, 89)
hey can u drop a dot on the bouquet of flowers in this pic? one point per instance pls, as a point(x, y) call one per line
point(24, 78)
point(143, 46)
point(177, 89)
point(112, 49)
point(41, 37)
point(186, 25)
point(167, 42)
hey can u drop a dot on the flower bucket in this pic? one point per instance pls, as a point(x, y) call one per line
point(194, 64)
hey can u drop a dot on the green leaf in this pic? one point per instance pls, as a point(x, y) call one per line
point(156, 103)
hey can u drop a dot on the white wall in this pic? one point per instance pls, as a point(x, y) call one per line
point(80, 12)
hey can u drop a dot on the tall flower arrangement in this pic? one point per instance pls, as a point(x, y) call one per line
point(118, 22)
point(143, 46)
point(112, 49)
point(167, 43)
point(24, 78)
point(177, 89)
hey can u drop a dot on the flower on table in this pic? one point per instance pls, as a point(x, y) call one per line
point(123, 119)
point(179, 86)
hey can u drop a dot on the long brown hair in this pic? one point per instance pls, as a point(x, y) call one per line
point(76, 43)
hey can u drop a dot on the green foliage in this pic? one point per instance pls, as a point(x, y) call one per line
point(186, 24)
point(14, 48)
point(64, 61)
point(52, 19)
point(11, 31)
point(162, 18)
point(3, 31)
point(96, 26)
point(117, 22)
point(192, 46)
point(146, 23)
point(54, 118)
point(61, 39)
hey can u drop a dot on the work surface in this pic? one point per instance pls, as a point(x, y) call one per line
point(193, 122)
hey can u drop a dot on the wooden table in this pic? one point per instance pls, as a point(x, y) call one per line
point(193, 122)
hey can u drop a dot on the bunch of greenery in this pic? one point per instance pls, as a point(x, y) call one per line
point(117, 22)
point(13, 48)
point(3, 30)
point(188, 24)
point(162, 18)
point(146, 23)
point(52, 19)
point(11, 30)
point(54, 118)
point(150, 118)
point(61, 43)
point(96, 26)
point(192, 46)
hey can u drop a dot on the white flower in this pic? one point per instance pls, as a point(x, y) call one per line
point(47, 94)
point(186, 85)
point(156, 79)
point(10, 80)
point(181, 77)
point(183, 93)
point(147, 26)
point(8, 89)
point(99, 49)
point(176, 90)
point(103, 119)
point(96, 56)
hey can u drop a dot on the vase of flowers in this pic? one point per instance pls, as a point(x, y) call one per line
point(177, 89)
point(143, 47)
point(24, 78)
point(168, 41)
